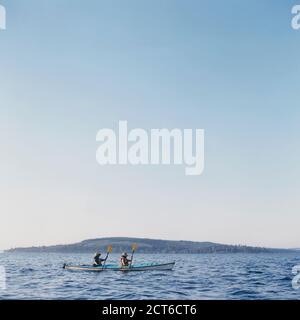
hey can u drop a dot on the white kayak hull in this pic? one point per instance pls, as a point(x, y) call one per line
point(140, 267)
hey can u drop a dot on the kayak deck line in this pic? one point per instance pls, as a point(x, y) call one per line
point(111, 267)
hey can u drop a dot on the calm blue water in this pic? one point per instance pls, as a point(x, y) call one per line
point(206, 276)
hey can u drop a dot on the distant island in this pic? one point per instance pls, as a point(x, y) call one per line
point(148, 246)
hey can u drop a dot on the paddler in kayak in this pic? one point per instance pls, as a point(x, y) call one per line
point(124, 260)
point(97, 260)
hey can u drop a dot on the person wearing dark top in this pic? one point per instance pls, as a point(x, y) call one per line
point(97, 260)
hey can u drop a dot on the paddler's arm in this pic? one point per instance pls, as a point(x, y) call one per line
point(105, 257)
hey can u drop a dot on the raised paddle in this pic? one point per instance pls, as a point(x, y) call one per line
point(109, 250)
point(133, 247)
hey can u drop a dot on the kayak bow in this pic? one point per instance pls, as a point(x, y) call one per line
point(111, 267)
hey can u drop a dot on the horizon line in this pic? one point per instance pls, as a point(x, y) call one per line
point(146, 238)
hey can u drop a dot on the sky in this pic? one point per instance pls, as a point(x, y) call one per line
point(70, 68)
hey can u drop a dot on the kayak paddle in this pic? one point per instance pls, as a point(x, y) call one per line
point(133, 247)
point(109, 250)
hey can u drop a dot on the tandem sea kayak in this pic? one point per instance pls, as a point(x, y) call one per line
point(112, 267)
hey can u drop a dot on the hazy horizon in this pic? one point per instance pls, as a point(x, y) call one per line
point(164, 239)
point(69, 70)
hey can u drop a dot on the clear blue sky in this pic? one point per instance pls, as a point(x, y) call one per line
point(70, 68)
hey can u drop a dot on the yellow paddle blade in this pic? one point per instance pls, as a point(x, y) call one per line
point(109, 249)
point(134, 246)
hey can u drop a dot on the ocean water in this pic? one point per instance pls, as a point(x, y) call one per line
point(203, 276)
